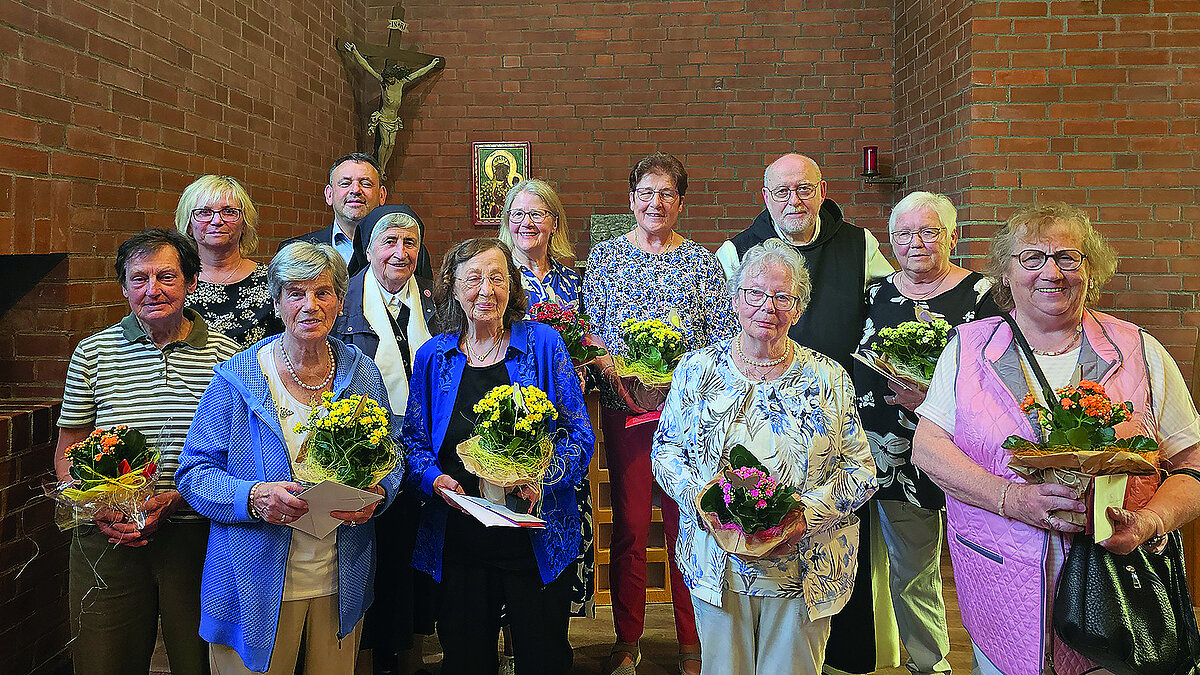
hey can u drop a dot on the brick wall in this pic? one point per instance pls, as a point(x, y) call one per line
point(727, 86)
point(108, 110)
point(1000, 104)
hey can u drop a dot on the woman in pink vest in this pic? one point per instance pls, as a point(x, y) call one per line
point(1007, 549)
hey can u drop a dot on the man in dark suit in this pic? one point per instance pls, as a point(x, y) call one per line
point(354, 189)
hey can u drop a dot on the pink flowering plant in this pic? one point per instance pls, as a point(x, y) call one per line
point(747, 499)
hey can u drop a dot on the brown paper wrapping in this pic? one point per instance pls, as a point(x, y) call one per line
point(753, 546)
point(1076, 468)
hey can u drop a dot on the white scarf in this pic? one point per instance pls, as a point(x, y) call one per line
point(387, 357)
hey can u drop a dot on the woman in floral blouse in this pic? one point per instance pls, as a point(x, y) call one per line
point(216, 213)
point(922, 229)
point(644, 275)
point(794, 409)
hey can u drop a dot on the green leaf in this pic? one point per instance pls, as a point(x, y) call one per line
point(1079, 438)
point(739, 456)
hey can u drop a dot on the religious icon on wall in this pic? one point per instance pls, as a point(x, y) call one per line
point(497, 167)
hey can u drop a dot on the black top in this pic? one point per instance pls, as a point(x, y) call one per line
point(467, 540)
point(242, 310)
point(836, 261)
point(890, 428)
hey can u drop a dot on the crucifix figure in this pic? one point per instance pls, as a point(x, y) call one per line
point(385, 122)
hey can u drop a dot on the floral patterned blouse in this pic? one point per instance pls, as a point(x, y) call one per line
point(561, 286)
point(890, 428)
point(242, 310)
point(624, 282)
point(805, 426)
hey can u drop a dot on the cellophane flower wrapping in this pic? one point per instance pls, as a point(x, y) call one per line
point(512, 444)
point(1081, 443)
point(748, 512)
point(654, 348)
point(349, 442)
point(572, 326)
point(111, 470)
point(912, 348)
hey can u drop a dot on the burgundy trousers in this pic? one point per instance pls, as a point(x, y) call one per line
point(630, 482)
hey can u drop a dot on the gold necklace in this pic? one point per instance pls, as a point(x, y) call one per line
point(1064, 350)
point(471, 353)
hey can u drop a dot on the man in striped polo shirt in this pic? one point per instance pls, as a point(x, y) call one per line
point(148, 372)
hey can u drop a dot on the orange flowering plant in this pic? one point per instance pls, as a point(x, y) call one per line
point(110, 469)
point(1083, 418)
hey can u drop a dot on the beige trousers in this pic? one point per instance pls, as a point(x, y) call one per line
point(324, 654)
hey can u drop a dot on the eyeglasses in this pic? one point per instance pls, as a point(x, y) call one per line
point(927, 235)
point(783, 193)
point(646, 195)
point(228, 214)
point(538, 216)
point(1067, 259)
point(473, 281)
point(782, 301)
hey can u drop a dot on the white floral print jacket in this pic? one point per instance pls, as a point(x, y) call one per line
point(822, 451)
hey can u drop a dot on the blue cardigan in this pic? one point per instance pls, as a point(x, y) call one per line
point(536, 356)
point(236, 441)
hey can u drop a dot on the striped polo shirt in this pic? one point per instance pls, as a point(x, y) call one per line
point(118, 376)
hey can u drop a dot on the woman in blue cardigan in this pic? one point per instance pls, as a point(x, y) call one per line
point(266, 584)
point(480, 570)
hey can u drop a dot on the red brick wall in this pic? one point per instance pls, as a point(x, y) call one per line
point(726, 86)
point(108, 110)
point(1000, 104)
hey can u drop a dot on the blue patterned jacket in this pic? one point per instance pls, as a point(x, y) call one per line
point(536, 357)
point(236, 441)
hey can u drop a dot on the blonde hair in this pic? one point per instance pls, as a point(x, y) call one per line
point(1032, 223)
point(560, 242)
point(209, 188)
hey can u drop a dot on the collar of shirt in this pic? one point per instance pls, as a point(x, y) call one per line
point(196, 338)
point(816, 233)
point(343, 244)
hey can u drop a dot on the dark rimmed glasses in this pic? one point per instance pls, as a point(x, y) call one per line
point(228, 214)
point(782, 301)
point(1067, 259)
point(538, 216)
point(905, 237)
point(646, 195)
point(783, 193)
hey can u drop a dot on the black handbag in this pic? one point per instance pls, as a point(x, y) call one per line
point(1130, 613)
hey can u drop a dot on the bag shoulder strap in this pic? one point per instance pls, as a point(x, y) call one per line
point(1047, 390)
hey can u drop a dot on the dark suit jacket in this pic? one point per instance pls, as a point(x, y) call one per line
point(351, 326)
point(325, 236)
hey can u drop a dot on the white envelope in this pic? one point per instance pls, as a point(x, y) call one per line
point(329, 496)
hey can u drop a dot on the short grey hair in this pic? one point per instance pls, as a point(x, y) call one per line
point(775, 253)
point(938, 203)
point(305, 261)
point(395, 221)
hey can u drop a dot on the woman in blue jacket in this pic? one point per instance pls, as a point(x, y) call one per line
point(266, 584)
point(480, 570)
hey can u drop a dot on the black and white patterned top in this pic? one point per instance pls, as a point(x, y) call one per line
point(890, 427)
point(242, 310)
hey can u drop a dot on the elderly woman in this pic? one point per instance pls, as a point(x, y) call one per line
point(117, 377)
point(387, 314)
point(216, 213)
point(645, 275)
point(534, 225)
point(266, 584)
point(480, 569)
point(1049, 264)
point(923, 232)
point(794, 409)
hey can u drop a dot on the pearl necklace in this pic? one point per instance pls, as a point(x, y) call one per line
point(759, 364)
point(292, 370)
point(1064, 350)
point(471, 353)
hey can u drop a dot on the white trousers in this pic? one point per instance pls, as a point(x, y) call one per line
point(324, 654)
point(750, 635)
point(913, 536)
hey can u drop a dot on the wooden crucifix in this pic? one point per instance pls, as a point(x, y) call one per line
point(400, 69)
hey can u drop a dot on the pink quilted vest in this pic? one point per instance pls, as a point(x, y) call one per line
point(1002, 567)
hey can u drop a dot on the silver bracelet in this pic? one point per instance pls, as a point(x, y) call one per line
point(1004, 496)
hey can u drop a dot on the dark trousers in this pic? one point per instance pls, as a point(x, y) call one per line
point(470, 598)
point(118, 595)
point(630, 481)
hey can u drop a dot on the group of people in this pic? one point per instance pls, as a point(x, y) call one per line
point(220, 357)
